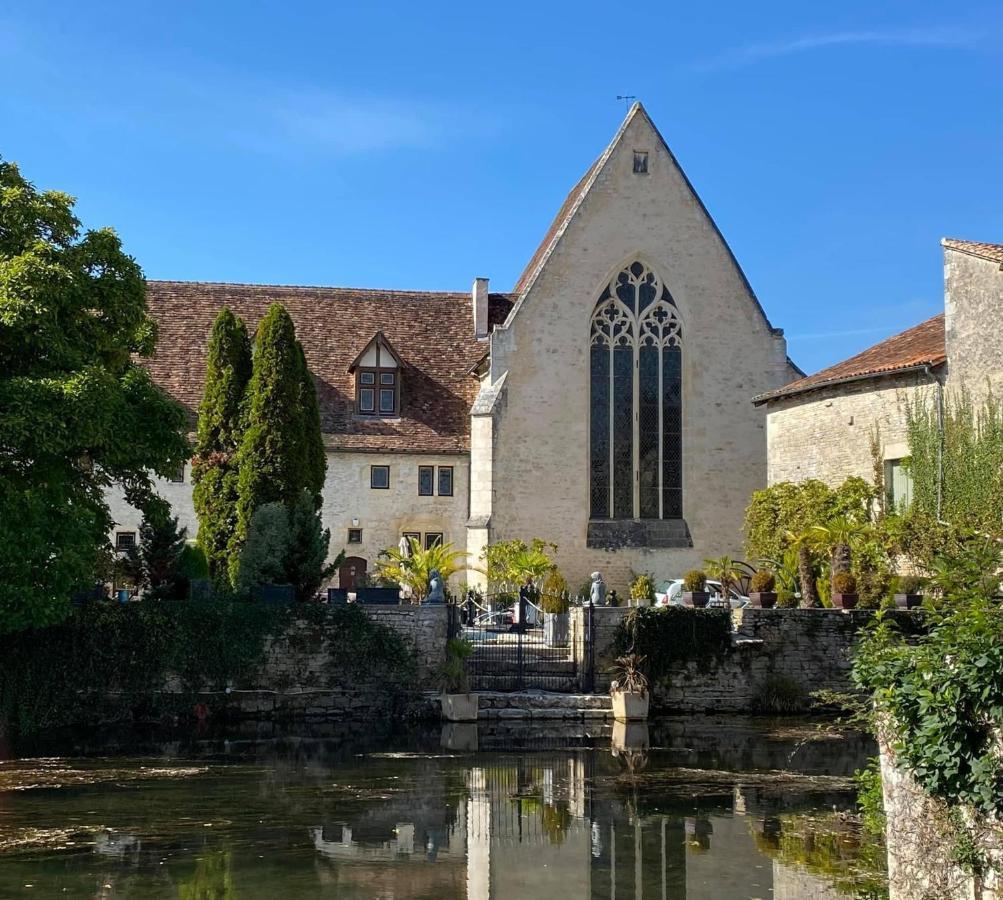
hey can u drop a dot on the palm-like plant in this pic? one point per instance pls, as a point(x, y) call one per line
point(785, 567)
point(414, 570)
point(802, 543)
point(840, 537)
point(725, 570)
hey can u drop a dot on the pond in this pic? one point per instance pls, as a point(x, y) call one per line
point(695, 807)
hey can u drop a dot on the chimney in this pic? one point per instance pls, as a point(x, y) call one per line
point(479, 300)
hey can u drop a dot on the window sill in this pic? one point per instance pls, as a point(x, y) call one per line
point(617, 534)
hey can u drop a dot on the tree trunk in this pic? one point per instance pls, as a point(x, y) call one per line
point(809, 592)
point(841, 558)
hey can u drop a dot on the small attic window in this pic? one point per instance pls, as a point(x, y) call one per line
point(640, 162)
point(377, 372)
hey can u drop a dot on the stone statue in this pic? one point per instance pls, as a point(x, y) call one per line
point(597, 594)
point(404, 547)
point(436, 590)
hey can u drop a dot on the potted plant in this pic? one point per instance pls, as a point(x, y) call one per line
point(458, 704)
point(694, 594)
point(629, 689)
point(642, 590)
point(844, 590)
point(761, 589)
point(909, 592)
point(555, 603)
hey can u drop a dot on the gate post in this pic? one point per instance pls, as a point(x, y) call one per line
point(518, 677)
point(590, 660)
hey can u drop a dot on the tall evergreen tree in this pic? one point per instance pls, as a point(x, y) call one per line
point(314, 455)
point(214, 472)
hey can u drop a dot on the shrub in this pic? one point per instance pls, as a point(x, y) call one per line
point(786, 600)
point(908, 584)
point(554, 593)
point(642, 588)
point(763, 581)
point(666, 635)
point(694, 580)
point(844, 583)
point(780, 695)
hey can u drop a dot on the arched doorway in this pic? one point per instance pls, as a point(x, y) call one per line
point(351, 572)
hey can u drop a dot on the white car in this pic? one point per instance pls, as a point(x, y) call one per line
point(671, 592)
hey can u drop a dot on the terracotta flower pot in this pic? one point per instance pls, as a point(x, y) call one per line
point(763, 599)
point(844, 601)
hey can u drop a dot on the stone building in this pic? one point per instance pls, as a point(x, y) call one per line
point(603, 404)
point(825, 425)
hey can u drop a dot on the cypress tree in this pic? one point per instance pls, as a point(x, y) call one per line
point(214, 472)
point(270, 458)
point(314, 456)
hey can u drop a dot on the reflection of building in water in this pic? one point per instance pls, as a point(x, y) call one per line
point(546, 826)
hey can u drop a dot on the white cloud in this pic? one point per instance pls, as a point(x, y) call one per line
point(750, 54)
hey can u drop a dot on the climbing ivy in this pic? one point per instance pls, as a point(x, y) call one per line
point(668, 635)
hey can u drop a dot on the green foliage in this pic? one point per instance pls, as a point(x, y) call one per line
point(516, 561)
point(453, 674)
point(788, 508)
point(942, 690)
point(780, 695)
point(77, 412)
point(413, 570)
point(66, 674)
point(214, 467)
point(306, 556)
point(694, 580)
point(159, 562)
point(723, 570)
point(786, 599)
point(666, 635)
point(554, 593)
point(642, 589)
point(763, 581)
point(263, 559)
point(908, 584)
point(972, 491)
point(870, 797)
point(844, 583)
point(280, 450)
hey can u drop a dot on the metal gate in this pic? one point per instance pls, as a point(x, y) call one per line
point(517, 646)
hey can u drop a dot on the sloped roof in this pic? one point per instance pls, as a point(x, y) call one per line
point(433, 332)
point(921, 345)
point(992, 252)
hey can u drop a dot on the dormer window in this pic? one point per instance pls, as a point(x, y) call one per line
point(377, 372)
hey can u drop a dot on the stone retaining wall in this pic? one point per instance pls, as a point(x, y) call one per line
point(809, 648)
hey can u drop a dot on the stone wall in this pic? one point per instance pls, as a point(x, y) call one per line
point(812, 648)
point(973, 305)
point(921, 841)
point(540, 440)
point(299, 679)
point(827, 434)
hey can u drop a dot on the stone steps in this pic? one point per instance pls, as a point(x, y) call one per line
point(543, 705)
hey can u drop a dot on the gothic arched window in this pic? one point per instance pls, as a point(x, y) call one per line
point(636, 459)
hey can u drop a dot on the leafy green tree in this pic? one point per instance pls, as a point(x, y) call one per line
point(162, 562)
point(314, 455)
point(263, 558)
point(306, 555)
point(214, 469)
point(77, 412)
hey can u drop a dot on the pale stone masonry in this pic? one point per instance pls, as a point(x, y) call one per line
point(822, 426)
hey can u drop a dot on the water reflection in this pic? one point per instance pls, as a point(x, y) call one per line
point(669, 811)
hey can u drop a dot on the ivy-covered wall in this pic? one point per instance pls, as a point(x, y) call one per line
point(151, 661)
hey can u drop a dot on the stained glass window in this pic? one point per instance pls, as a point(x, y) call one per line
point(635, 428)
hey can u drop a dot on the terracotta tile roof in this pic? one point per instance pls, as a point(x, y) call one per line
point(433, 332)
point(556, 227)
point(992, 252)
point(920, 345)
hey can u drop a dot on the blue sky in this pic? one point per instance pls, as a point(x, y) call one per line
point(418, 145)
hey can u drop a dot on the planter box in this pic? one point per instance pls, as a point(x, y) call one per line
point(908, 601)
point(631, 735)
point(844, 601)
point(696, 599)
point(555, 629)
point(763, 599)
point(337, 596)
point(385, 596)
point(459, 707)
point(274, 593)
point(629, 707)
